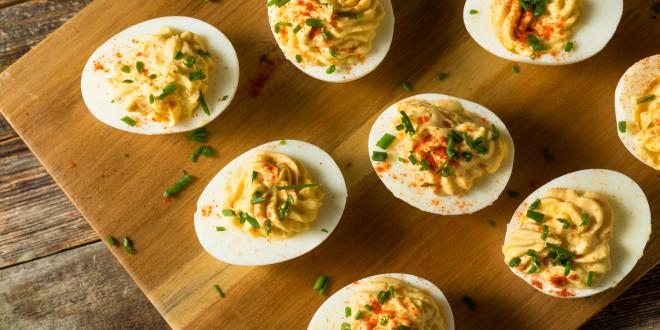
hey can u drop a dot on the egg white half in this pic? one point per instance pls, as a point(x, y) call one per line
point(381, 46)
point(237, 247)
point(223, 80)
point(331, 313)
point(631, 227)
point(599, 21)
point(482, 194)
point(631, 84)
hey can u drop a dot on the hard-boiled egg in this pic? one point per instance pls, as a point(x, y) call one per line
point(98, 94)
point(637, 108)
point(626, 232)
point(403, 180)
point(361, 23)
point(332, 312)
point(235, 246)
point(588, 25)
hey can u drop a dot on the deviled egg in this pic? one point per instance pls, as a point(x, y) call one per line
point(542, 32)
point(334, 40)
point(579, 234)
point(441, 154)
point(271, 204)
point(165, 75)
point(637, 106)
point(387, 301)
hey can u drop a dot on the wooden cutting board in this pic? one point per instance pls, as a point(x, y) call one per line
point(566, 109)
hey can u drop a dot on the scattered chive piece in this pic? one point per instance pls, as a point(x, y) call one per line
point(128, 81)
point(228, 212)
point(406, 86)
point(198, 151)
point(536, 216)
point(269, 226)
point(323, 288)
point(197, 75)
point(296, 28)
point(405, 120)
point(183, 181)
point(548, 155)
point(198, 135)
point(219, 290)
point(301, 186)
point(473, 11)
point(202, 102)
point(535, 43)
point(258, 198)
point(331, 69)
point(224, 98)
point(471, 304)
point(564, 223)
point(111, 241)
point(246, 217)
point(567, 268)
point(129, 121)
point(585, 219)
point(426, 184)
point(560, 250)
point(298, 58)
point(532, 269)
point(282, 142)
point(128, 246)
point(358, 315)
point(512, 193)
point(412, 159)
point(403, 160)
point(208, 151)
point(220, 228)
point(425, 165)
point(347, 311)
point(544, 233)
point(514, 262)
point(441, 76)
point(151, 99)
point(167, 90)
point(535, 204)
point(325, 34)
point(645, 99)
point(383, 296)
point(283, 209)
point(379, 156)
point(383, 320)
point(622, 126)
point(333, 53)
point(345, 326)
point(139, 66)
point(153, 76)
point(203, 52)
point(325, 230)
point(126, 69)
point(368, 307)
point(495, 134)
point(515, 69)
point(254, 175)
point(320, 280)
point(385, 141)
point(314, 22)
point(590, 278)
point(278, 24)
point(568, 47)
point(178, 55)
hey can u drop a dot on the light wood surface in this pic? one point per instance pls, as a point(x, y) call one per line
point(459, 254)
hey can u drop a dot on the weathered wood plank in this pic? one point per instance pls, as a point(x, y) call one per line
point(37, 218)
point(83, 288)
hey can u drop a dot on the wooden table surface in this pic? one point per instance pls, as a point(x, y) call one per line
point(54, 271)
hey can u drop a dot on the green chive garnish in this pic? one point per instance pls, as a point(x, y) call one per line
point(111, 241)
point(564, 223)
point(474, 12)
point(219, 290)
point(139, 66)
point(128, 246)
point(358, 315)
point(514, 262)
point(183, 181)
point(495, 134)
point(412, 159)
point(515, 69)
point(203, 52)
point(129, 121)
point(301, 186)
point(298, 58)
point(645, 99)
point(535, 43)
point(228, 212)
point(127, 81)
point(197, 75)
point(178, 55)
point(383, 320)
point(560, 250)
point(283, 209)
point(441, 76)
point(544, 233)
point(331, 69)
point(622, 126)
point(126, 69)
point(243, 216)
point(151, 99)
point(585, 219)
point(405, 120)
point(512, 193)
point(224, 98)
point(314, 22)
point(406, 86)
point(198, 135)
point(567, 268)
point(379, 156)
point(568, 47)
point(536, 216)
point(220, 228)
point(345, 326)
point(425, 165)
point(254, 175)
point(257, 198)
point(205, 106)
point(332, 52)
point(169, 89)
point(153, 76)
point(198, 151)
point(347, 311)
point(189, 61)
point(535, 204)
point(325, 230)
point(320, 281)
point(590, 278)
point(296, 28)
point(385, 141)
point(278, 24)
point(326, 35)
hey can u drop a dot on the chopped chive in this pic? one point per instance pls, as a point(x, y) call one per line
point(224, 98)
point(167, 90)
point(535, 204)
point(128, 246)
point(585, 219)
point(590, 278)
point(564, 223)
point(183, 181)
point(220, 228)
point(325, 230)
point(296, 28)
point(383, 320)
point(325, 34)
point(358, 315)
point(406, 86)
point(412, 159)
point(301, 186)
point(544, 233)
point(153, 76)
point(151, 99)
point(427, 184)
point(219, 290)
point(401, 159)
point(127, 81)
point(567, 268)
point(385, 141)
point(314, 22)
point(129, 121)
point(198, 135)
point(298, 58)
point(283, 209)
point(332, 52)
point(560, 250)
point(536, 216)
point(320, 280)
point(368, 307)
point(622, 126)
point(197, 75)
point(514, 262)
point(139, 66)
point(645, 99)
point(282, 142)
point(324, 287)
point(405, 120)
point(331, 69)
point(347, 311)
point(345, 326)
point(203, 52)
point(568, 47)
point(207, 151)
point(243, 216)
point(495, 133)
point(441, 76)
point(195, 154)
point(473, 11)
point(278, 24)
point(178, 55)
point(425, 165)
point(512, 193)
point(471, 304)
point(383, 296)
point(258, 198)
point(515, 69)
point(228, 212)
point(126, 69)
point(254, 175)
point(111, 241)
point(379, 156)
point(205, 106)
point(269, 226)
point(532, 269)
point(535, 43)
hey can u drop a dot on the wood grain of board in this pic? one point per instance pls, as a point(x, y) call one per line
point(121, 195)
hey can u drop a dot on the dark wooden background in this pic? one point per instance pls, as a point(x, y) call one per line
point(54, 271)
